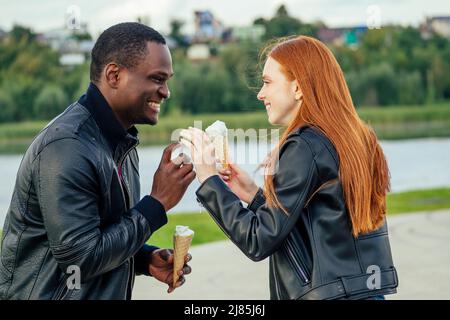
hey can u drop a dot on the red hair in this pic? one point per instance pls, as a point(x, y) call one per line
point(328, 106)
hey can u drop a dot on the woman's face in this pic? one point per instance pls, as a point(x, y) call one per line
point(280, 95)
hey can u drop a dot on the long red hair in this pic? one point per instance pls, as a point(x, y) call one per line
point(328, 106)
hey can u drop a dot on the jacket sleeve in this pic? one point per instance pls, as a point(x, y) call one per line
point(258, 230)
point(68, 191)
point(142, 260)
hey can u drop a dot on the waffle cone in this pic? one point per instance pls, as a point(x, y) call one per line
point(221, 148)
point(180, 249)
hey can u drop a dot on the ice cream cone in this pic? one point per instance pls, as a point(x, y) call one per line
point(218, 133)
point(181, 246)
point(221, 149)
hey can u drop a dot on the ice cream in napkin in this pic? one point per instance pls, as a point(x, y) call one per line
point(218, 134)
point(182, 239)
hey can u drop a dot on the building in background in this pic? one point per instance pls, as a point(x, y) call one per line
point(73, 46)
point(207, 27)
point(439, 25)
point(349, 36)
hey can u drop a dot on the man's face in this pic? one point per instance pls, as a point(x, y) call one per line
point(144, 87)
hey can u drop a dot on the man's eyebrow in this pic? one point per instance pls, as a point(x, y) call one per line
point(162, 73)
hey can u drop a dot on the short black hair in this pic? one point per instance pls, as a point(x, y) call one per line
point(124, 43)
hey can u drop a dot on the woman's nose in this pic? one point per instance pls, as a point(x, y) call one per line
point(260, 95)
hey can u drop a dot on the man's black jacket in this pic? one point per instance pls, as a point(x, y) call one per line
point(76, 206)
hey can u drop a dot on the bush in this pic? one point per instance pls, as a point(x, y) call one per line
point(7, 107)
point(50, 102)
point(410, 89)
point(376, 85)
point(380, 85)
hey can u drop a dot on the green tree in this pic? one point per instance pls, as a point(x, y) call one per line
point(7, 107)
point(50, 102)
point(282, 25)
point(410, 89)
point(376, 85)
point(19, 33)
point(175, 32)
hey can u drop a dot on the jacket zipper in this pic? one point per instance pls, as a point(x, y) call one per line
point(126, 195)
point(300, 261)
point(297, 266)
point(122, 180)
point(277, 288)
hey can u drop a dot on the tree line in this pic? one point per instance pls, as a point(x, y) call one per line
point(389, 66)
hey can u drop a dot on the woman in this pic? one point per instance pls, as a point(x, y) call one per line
point(321, 214)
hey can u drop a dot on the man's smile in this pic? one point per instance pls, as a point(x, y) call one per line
point(154, 106)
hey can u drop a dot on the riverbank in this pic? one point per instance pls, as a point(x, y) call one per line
point(390, 123)
point(207, 231)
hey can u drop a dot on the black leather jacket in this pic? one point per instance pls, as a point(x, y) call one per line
point(313, 254)
point(69, 208)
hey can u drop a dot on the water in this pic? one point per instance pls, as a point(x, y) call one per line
point(414, 164)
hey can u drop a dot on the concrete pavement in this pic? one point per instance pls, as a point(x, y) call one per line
point(420, 244)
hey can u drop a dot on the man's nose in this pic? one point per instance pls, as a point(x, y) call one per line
point(164, 92)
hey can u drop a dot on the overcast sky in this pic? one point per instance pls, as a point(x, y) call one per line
point(44, 15)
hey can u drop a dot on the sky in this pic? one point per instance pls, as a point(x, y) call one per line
point(44, 15)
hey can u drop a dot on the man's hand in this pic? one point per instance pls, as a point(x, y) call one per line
point(161, 268)
point(171, 179)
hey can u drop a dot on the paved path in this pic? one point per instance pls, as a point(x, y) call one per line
point(420, 245)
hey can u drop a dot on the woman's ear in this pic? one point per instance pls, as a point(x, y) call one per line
point(298, 95)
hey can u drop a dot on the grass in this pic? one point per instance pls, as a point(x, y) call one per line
point(420, 200)
point(207, 231)
point(395, 122)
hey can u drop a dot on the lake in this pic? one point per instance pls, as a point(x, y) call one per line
point(414, 164)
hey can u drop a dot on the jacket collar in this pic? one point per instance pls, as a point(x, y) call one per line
point(105, 118)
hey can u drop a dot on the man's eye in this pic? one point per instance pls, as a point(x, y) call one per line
point(158, 79)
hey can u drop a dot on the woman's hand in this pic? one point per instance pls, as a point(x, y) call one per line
point(239, 182)
point(202, 152)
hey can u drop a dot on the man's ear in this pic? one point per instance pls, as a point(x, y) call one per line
point(112, 74)
point(298, 94)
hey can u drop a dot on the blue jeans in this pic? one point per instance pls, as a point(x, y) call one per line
point(380, 297)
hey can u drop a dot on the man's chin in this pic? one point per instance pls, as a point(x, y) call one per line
point(151, 120)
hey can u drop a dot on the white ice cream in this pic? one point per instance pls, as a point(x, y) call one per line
point(218, 134)
point(183, 231)
point(218, 128)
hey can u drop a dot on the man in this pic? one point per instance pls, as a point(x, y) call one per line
point(75, 212)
